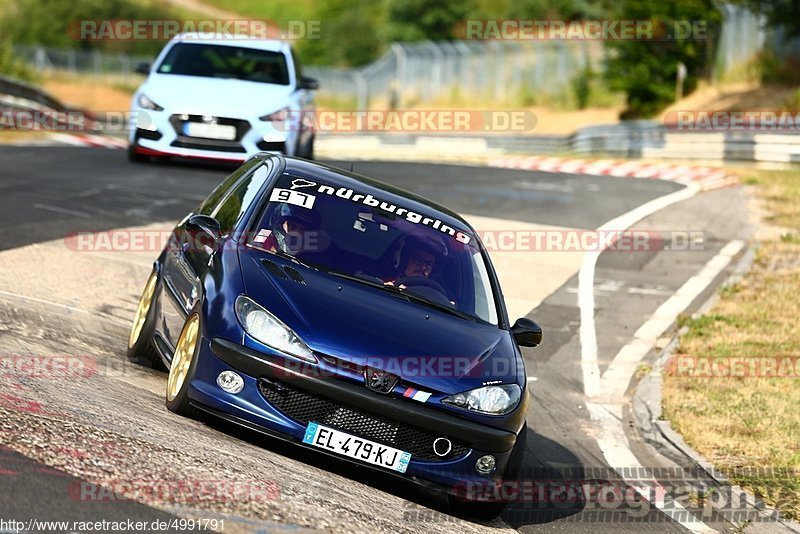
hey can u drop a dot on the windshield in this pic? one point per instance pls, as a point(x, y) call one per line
point(221, 61)
point(367, 238)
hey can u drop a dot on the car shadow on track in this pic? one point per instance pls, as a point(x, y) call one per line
point(546, 464)
point(548, 484)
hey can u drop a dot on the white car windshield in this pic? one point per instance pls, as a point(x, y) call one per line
point(378, 239)
point(223, 61)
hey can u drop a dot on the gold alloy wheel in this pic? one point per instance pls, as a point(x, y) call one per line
point(141, 311)
point(182, 359)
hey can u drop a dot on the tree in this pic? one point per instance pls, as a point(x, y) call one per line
point(779, 13)
point(646, 69)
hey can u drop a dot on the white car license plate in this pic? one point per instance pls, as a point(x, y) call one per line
point(354, 447)
point(209, 130)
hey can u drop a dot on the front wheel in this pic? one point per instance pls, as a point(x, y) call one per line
point(182, 368)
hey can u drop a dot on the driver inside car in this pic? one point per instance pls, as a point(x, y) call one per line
point(417, 258)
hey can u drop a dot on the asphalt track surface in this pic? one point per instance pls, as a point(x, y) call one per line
point(115, 425)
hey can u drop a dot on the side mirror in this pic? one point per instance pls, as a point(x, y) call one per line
point(142, 68)
point(204, 226)
point(308, 83)
point(527, 333)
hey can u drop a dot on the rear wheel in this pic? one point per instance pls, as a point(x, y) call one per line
point(489, 510)
point(141, 346)
point(182, 369)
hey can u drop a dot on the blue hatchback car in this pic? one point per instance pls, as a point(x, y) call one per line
point(345, 315)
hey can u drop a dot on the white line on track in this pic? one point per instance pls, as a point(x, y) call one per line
point(618, 375)
point(64, 211)
point(605, 393)
point(66, 307)
point(588, 336)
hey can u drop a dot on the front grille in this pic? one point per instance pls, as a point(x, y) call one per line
point(207, 144)
point(304, 407)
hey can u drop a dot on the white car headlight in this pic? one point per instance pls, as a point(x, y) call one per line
point(269, 330)
point(146, 103)
point(492, 400)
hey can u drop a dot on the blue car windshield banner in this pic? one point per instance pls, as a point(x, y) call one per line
point(380, 241)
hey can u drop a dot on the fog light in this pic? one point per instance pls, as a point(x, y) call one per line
point(233, 383)
point(485, 464)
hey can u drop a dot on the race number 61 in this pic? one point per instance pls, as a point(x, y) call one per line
point(292, 197)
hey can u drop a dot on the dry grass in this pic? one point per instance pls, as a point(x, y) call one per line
point(95, 93)
point(750, 422)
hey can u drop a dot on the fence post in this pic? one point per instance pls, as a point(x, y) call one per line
point(402, 66)
point(362, 98)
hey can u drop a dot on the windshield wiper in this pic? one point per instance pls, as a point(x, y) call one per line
point(438, 305)
point(367, 280)
point(405, 294)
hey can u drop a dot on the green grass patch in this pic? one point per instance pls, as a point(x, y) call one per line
point(749, 426)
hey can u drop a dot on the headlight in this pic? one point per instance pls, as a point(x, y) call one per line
point(269, 330)
point(492, 400)
point(146, 103)
point(276, 116)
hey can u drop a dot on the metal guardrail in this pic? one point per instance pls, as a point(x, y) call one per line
point(635, 139)
point(20, 89)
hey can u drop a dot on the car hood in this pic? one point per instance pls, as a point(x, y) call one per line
point(366, 326)
point(214, 96)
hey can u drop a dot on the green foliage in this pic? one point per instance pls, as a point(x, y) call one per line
point(582, 86)
point(12, 67)
point(48, 22)
point(417, 20)
point(646, 70)
point(348, 34)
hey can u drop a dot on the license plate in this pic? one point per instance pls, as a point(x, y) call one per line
point(354, 447)
point(209, 130)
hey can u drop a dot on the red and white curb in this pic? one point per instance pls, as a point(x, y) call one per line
point(706, 177)
point(90, 140)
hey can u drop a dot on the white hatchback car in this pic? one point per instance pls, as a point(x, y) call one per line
point(222, 98)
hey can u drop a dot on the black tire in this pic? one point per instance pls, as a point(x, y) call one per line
point(180, 403)
point(487, 511)
point(143, 350)
point(135, 157)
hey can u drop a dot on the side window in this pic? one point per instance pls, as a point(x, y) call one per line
point(230, 211)
point(210, 203)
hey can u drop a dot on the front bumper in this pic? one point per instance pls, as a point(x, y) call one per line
point(159, 133)
point(250, 408)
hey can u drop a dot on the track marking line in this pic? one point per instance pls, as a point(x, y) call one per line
point(616, 450)
point(611, 437)
point(588, 335)
point(66, 307)
point(63, 211)
point(618, 375)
